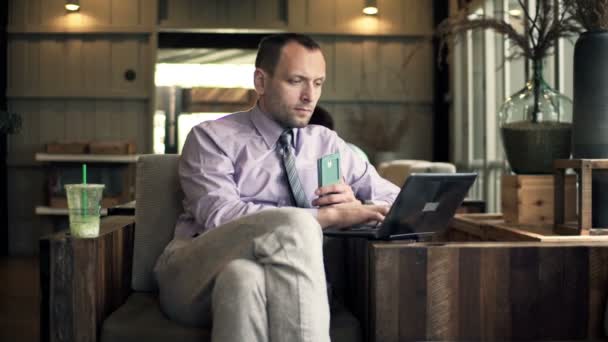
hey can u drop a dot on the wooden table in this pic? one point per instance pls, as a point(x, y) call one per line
point(499, 282)
point(71, 308)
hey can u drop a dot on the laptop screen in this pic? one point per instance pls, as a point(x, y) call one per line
point(427, 202)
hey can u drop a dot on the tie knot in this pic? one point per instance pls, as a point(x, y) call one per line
point(286, 137)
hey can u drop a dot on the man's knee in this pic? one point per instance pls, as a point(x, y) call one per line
point(238, 279)
point(300, 226)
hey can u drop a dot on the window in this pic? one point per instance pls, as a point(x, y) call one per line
point(482, 80)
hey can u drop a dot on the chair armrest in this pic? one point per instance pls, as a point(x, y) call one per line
point(84, 280)
point(126, 209)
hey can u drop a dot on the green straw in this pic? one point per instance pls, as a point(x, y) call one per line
point(83, 198)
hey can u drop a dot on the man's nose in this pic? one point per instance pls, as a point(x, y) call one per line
point(306, 95)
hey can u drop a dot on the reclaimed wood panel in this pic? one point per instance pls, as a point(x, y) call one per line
point(492, 227)
point(486, 291)
point(83, 280)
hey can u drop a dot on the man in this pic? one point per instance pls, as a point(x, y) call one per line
point(237, 262)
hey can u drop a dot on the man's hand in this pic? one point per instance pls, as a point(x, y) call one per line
point(335, 194)
point(345, 216)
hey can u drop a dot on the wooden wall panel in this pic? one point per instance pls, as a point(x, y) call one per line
point(96, 12)
point(413, 16)
point(17, 13)
point(96, 58)
point(66, 79)
point(25, 189)
point(357, 124)
point(78, 66)
point(267, 11)
point(51, 14)
point(49, 120)
point(206, 12)
point(347, 68)
point(380, 70)
point(396, 17)
point(245, 15)
point(125, 13)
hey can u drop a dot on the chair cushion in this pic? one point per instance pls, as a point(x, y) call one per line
point(140, 319)
point(158, 202)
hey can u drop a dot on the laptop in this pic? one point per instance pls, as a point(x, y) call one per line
point(424, 206)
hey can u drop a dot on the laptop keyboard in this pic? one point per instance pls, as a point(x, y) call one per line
point(367, 226)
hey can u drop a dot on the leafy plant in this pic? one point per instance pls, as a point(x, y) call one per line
point(10, 123)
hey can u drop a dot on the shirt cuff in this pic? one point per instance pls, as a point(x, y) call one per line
point(312, 211)
point(375, 202)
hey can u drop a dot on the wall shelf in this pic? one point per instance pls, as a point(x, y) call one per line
point(88, 158)
point(50, 211)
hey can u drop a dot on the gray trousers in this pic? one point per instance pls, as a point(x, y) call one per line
point(259, 278)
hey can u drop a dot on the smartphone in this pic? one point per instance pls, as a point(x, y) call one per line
point(328, 169)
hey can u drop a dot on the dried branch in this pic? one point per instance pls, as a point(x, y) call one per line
point(544, 27)
point(591, 14)
point(387, 132)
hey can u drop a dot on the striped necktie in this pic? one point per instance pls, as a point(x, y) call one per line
point(289, 162)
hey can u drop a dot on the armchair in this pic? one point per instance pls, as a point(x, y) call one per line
point(398, 170)
point(104, 289)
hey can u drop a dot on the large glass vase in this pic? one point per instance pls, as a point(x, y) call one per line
point(536, 126)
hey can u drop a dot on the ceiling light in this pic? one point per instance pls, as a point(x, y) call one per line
point(370, 7)
point(72, 5)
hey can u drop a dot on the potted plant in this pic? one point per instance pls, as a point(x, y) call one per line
point(590, 124)
point(535, 122)
point(10, 123)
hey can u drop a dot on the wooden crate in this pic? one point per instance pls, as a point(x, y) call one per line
point(112, 147)
point(67, 147)
point(529, 199)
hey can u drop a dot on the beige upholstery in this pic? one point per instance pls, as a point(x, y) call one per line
point(397, 171)
point(158, 203)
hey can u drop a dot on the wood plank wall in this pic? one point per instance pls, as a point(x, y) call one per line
point(66, 78)
point(371, 77)
point(66, 74)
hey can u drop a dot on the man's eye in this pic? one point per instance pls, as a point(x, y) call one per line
point(295, 81)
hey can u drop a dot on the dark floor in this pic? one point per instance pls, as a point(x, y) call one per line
point(19, 299)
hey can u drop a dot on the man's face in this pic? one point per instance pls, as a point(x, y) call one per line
point(291, 94)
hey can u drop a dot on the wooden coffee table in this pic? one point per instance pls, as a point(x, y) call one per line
point(483, 280)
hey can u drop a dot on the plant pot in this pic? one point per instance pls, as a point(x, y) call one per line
point(531, 147)
point(590, 124)
point(535, 124)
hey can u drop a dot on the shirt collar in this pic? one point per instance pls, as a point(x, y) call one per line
point(269, 129)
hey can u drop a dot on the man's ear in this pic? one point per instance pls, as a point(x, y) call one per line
point(259, 81)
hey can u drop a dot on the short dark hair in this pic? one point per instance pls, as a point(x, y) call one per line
point(269, 50)
point(320, 116)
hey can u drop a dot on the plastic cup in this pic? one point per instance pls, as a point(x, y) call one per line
point(84, 207)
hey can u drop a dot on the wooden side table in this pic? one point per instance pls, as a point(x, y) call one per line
point(68, 268)
point(527, 288)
